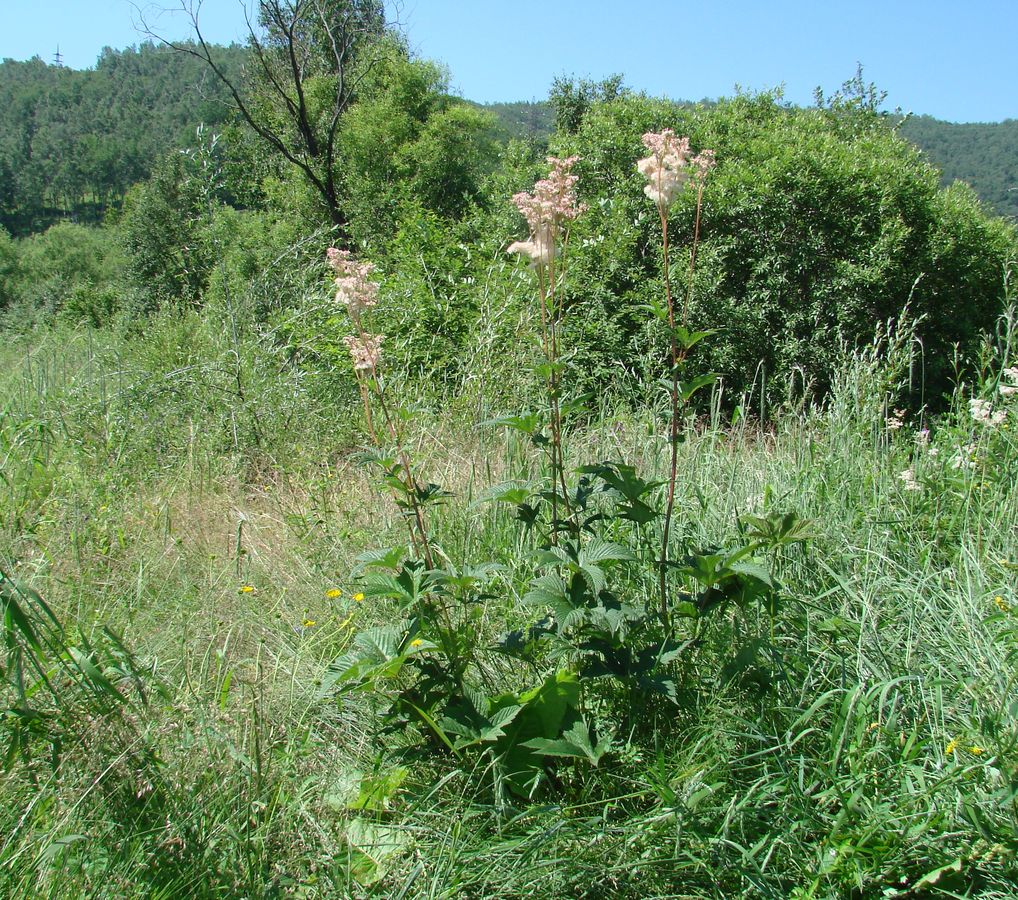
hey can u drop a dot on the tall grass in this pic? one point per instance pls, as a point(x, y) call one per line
point(208, 529)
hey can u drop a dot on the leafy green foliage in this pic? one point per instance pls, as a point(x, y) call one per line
point(817, 223)
point(73, 142)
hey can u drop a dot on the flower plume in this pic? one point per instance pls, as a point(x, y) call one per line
point(354, 288)
point(365, 351)
point(552, 202)
point(666, 167)
point(670, 166)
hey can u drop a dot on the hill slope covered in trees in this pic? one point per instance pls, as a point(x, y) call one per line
point(72, 142)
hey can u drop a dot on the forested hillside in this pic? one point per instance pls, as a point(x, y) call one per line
point(984, 155)
point(72, 142)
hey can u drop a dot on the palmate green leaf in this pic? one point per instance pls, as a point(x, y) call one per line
point(704, 568)
point(594, 577)
point(389, 586)
point(657, 308)
point(688, 339)
point(513, 492)
point(529, 423)
point(467, 580)
point(548, 590)
point(575, 743)
point(476, 727)
point(688, 388)
point(376, 656)
point(431, 494)
point(575, 406)
point(622, 478)
point(778, 529)
point(599, 550)
point(377, 458)
point(380, 644)
point(553, 556)
point(548, 368)
point(380, 559)
point(754, 569)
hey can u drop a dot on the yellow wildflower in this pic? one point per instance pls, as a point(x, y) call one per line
point(333, 593)
point(357, 598)
point(246, 589)
point(978, 751)
point(1002, 604)
point(416, 642)
point(309, 623)
point(951, 747)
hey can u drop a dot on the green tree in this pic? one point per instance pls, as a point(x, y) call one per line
point(307, 61)
point(818, 224)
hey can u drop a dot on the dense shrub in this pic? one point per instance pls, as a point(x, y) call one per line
point(818, 223)
point(163, 229)
point(61, 271)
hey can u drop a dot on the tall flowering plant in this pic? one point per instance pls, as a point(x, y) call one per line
point(358, 293)
point(669, 168)
point(602, 658)
point(548, 210)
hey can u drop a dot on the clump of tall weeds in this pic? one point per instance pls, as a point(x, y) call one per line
point(620, 609)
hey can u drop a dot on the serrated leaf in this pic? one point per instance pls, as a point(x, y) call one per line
point(688, 388)
point(599, 550)
point(574, 743)
point(381, 644)
point(527, 424)
point(688, 339)
point(386, 558)
point(513, 492)
point(547, 590)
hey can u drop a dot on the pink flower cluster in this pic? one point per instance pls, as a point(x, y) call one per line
point(552, 203)
point(357, 292)
point(354, 287)
point(984, 414)
point(365, 351)
point(670, 165)
point(1010, 389)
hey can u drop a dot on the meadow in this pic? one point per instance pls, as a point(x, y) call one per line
point(174, 736)
point(352, 546)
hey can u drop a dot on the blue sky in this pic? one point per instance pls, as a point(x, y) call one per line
point(951, 60)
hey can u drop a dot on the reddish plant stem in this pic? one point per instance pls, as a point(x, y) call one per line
point(409, 480)
point(546, 346)
point(367, 407)
point(678, 357)
point(673, 434)
point(558, 454)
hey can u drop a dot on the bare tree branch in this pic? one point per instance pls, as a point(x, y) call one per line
point(302, 39)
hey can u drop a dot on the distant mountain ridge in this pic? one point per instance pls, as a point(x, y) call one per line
point(983, 155)
point(72, 142)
